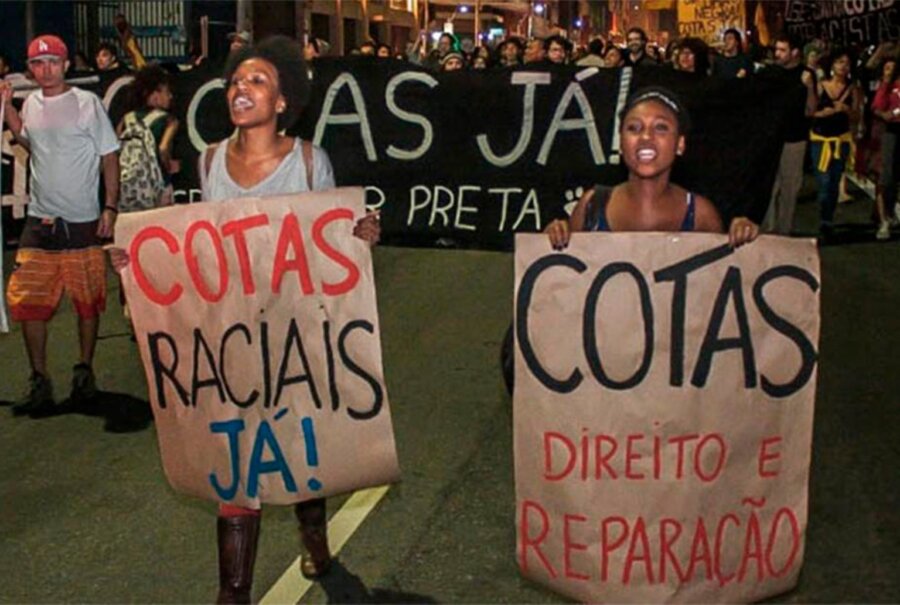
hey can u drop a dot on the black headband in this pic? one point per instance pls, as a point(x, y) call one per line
point(664, 96)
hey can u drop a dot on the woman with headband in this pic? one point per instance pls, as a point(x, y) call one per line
point(653, 128)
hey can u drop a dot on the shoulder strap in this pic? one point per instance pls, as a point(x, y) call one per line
point(844, 92)
point(308, 162)
point(129, 120)
point(204, 163)
point(596, 210)
point(687, 224)
point(152, 116)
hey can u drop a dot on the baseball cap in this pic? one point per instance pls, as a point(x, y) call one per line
point(47, 46)
point(244, 36)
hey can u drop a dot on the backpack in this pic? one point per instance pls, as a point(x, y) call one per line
point(141, 179)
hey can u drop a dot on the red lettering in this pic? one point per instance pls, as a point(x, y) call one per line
point(194, 267)
point(699, 552)
point(602, 461)
point(752, 549)
point(290, 237)
point(656, 457)
point(148, 233)
point(720, 534)
point(237, 228)
point(665, 548)
point(585, 449)
point(631, 455)
point(680, 441)
point(605, 547)
point(698, 457)
point(773, 535)
point(639, 534)
point(765, 456)
point(526, 541)
point(569, 546)
point(352, 271)
point(548, 456)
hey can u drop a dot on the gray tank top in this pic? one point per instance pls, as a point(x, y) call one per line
point(289, 177)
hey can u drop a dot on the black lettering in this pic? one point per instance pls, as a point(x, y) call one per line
point(378, 401)
point(266, 363)
point(329, 358)
point(160, 370)
point(254, 395)
point(591, 350)
point(293, 340)
point(730, 289)
point(808, 353)
point(196, 382)
point(678, 274)
point(523, 302)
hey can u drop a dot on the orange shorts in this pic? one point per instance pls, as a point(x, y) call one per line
point(41, 275)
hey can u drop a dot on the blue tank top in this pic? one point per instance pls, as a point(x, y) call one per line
point(601, 198)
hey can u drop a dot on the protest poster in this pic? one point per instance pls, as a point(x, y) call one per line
point(258, 330)
point(663, 413)
point(708, 19)
point(479, 156)
point(849, 23)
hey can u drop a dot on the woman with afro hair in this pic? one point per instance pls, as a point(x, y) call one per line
point(266, 90)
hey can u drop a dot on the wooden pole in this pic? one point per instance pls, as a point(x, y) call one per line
point(477, 23)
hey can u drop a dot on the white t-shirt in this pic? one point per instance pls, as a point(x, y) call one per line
point(67, 134)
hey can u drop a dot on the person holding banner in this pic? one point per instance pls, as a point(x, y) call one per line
point(653, 128)
point(267, 89)
point(654, 123)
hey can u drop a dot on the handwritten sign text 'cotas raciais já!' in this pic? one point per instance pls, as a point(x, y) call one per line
point(258, 329)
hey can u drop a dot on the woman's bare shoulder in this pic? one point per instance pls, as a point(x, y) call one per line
point(706, 215)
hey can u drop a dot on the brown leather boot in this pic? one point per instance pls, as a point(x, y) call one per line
point(237, 553)
point(316, 561)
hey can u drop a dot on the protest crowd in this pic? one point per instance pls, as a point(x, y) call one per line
point(845, 122)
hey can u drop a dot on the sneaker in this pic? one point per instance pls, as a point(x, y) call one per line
point(884, 231)
point(39, 398)
point(84, 385)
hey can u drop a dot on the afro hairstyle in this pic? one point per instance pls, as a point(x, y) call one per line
point(286, 56)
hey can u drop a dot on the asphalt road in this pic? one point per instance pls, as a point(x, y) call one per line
point(87, 516)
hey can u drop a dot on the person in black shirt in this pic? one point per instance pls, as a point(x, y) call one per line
point(780, 217)
point(732, 63)
point(636, 39)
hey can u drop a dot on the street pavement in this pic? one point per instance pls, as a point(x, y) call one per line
point(86, 514)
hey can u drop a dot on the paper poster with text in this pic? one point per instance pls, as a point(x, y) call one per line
point(663, 414)
point(257, 325)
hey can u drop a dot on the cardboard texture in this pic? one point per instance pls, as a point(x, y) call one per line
point(655, 463)
point(257, 325)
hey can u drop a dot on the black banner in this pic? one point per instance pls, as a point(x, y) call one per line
point(844, 22)
point(478, 156)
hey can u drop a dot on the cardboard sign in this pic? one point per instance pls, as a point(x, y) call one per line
point(258, 330)
point(708, 19)
point(664, 395)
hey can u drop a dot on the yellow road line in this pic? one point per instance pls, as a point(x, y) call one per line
point(291, 586)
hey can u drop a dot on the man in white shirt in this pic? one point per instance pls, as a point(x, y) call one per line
point(69, 135)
